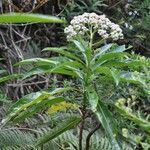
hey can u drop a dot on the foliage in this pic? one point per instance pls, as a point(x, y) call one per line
point(25, 18)
point(88, 63)
point(13, 138)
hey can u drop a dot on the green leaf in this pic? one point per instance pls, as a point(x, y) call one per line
point(62, 51)
point(10, 77)
point(92, 97)
point(135, 63)
point(71, 68)
point(37, 61)
point(115, 63)
point(61, 90)
point(28, 18)
point(102, 70)
point(32, 103)
point(102, 50)
point(109, 57)
point(79, 46)
point(55, 49)
point(73, 64)
point(37, 70)
point(18, 108)
point(130, 77)
point(116, 75)
point(109, 73)
point(32, 98)
point(121, 48)
point(107, 121)
point(63, 127)
point(63, 70)
point(37, 108)
point(124, 111)
point(24, 100)
point(124, 63)
point(82, 49)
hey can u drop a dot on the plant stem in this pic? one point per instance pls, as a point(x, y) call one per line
point(89, 137)
point(86, 82)
point(82, 126)
point(91, 38)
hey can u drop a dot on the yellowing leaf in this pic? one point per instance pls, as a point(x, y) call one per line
point(62, 106)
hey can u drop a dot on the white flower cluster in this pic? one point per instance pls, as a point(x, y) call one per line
point(83, 24)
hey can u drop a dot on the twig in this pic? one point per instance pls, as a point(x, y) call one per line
point(115, 4)
point(39, 5)
point(13, 6)
point(26, 84)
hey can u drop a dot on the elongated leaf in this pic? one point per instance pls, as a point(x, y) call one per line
point(115, 63)
point(142, 123)
point(38, 61)
point(24, 100)
point(63, 127)
point(124, 63)
point(102, 70)
point(32, 98)
point(71, 68)
point(77, 72)
point(130, 77)
point(121, 48)
point(37, 70)
point(20, 108)
point(107, 121)
point(79, 46)
point(92, 97)
point(61, 90)
point(116, 75)
point(74, 64)
point(30, 111)
point(82, 49)
point(28, 18)
point(106, 49)
point(53, 49)
point(110, 56)
point(62, 51)
point(32, 103)
point(62, 106)
point(102, 50)
point(10, 77)
point(64, 68)
point(112, 73)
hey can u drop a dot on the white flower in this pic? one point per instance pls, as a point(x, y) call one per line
point(131, 27)
point(82, 24)
point(130, 13)
point(102, 32)
point(128, 26)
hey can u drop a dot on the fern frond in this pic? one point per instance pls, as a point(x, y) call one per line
point(15, 138)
